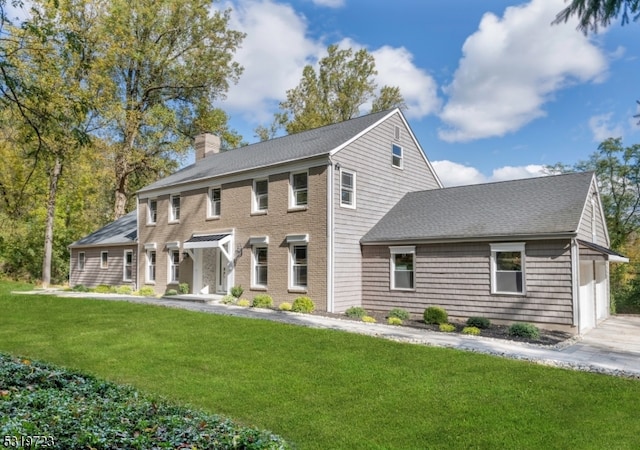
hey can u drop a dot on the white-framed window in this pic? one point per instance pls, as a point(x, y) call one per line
point(127, 267)
point(104, 260)
point(396, 156)
point(174, 266)
point(298, 266)
point(299, 189)
point(403, 268)
point(347, 188)
point(151, 266)
point(81, 260)
point(174, 208)
point(260, 267)
point(260, 200)
point(152, 211)
point(508, 268)
point(214, 208)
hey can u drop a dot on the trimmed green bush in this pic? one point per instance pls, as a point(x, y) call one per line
point(394, 321)
point(436, 314)
point(368, 319)
point(243, 302)
point(526, 330)
point(400, 313)
point(303, 305)
point(124, 290)
point(356, 312)
point(228, 300)
point(183, 288)
point(285, 306)
point(447, 327)
point(80, 288)
point(473, 331)
point(262, 301)
point(478, 322)
point(171, 292)
point(147, 291)
point(237, 291)
point(105, 289)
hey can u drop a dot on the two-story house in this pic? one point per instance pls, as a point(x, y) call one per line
point(353, 214)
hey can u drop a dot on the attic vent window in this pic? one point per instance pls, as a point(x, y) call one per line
point(396, 133)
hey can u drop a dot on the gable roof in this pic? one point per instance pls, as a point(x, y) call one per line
point(294, 147)
point(122, 231)
point(550, 205)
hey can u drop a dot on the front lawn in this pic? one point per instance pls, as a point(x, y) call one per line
point(321, 388)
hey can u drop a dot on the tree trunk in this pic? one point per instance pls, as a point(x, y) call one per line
point(56, 171)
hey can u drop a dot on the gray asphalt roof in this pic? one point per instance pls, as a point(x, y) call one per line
point(534, 206)
point(275, 151)
point(121, 231)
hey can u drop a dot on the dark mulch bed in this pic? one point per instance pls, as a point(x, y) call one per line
point(547, 337)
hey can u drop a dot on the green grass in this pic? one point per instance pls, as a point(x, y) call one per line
point(322, 388)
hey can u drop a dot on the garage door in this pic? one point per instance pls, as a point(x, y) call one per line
point(602, 287)
point(587, 305)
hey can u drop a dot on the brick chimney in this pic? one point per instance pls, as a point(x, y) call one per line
point(206, 144)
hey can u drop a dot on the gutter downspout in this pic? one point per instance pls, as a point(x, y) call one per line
point(330, 244)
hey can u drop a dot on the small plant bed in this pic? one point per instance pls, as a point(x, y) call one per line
point(546, 337)
point(67, 409)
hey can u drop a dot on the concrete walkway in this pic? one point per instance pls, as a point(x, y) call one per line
point(612, 348)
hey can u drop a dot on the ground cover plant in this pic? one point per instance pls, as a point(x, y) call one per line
point(72, 410)
point(322, 389)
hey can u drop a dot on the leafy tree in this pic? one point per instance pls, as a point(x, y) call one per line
point(336, 92)
point(593, 14)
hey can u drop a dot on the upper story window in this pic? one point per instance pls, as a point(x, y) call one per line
point(347, 188)
point(174, 208)
point(260, 195)
point(127, 269)
point(507, 268)
point(396, 156)
point(81, 260)
point(214, 202)
point(104, 260)
point(299, 187)
point(152, 211)
point(403, 267)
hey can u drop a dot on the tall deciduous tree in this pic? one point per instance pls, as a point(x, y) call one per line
point(343, 83)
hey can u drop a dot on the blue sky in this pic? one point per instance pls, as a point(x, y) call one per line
point(494, 91)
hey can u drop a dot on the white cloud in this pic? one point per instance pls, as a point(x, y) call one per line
point(329, 3)
point(396, 68)
point(602, 128)
point(273, 55)
point(513, 65)
point(455, 174)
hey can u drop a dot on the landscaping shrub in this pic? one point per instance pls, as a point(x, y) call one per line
point(303, 305)
point(243, 302)
point(400, 313)
point(285, 306)
point(183, 288)
point(237, 291)
point(526, 330)
point(124, 290)
point(262, 301)
point(478, 322)
point(394, 321)
point(171, 292)
point(356, 312)
point(77, 411)
point(447, 327)
point(368, 319)
point(228, 300)
point(105, 289)
point(436, 314)
point(473, 331)
point(80, 288)
point(147, 291)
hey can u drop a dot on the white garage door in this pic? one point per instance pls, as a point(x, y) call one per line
point(602, 287)
point(587, 306)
